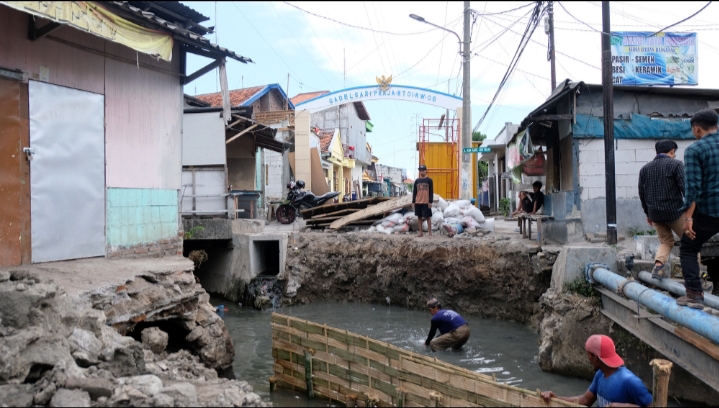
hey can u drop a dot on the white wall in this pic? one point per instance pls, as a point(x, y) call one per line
point(630, 155)
point(203, 139)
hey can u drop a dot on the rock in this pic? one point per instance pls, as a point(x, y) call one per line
point(95, 387)
point(70, 398)
point(149, 385)
point(85, 347)
point(45, 394)
point(16, 395)
point(4, 276)
point(154, 339)
point(195, 334)
point(184, 394)
point(163, 400)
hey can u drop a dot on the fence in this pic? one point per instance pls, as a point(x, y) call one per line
point(350, 368)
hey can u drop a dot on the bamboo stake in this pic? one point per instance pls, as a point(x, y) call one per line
point(273, 383)
point(661, 370)
point(308, 374)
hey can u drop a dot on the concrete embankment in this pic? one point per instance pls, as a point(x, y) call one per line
point(489, 277)
point(144, 334)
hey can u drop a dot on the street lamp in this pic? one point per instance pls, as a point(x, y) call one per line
point(465, 138)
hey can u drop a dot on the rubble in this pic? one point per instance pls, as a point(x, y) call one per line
point(57, 350)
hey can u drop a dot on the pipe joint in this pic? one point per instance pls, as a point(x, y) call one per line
point(589, 269)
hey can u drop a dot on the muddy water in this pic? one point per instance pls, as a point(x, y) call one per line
point(507, 349)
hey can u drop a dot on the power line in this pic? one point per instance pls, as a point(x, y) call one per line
point(681, 21)
point(482, 14)
point(534, 20)
point(354, 26)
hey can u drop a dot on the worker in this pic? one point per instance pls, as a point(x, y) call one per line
point(613, 385)
point(453, 329)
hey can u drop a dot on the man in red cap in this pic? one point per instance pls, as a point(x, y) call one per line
point(613, 385)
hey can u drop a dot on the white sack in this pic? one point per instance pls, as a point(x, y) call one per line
point(475, 213)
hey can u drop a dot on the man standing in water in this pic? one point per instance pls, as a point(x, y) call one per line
point(453, 329)
point(422, 197)
point(613, 385)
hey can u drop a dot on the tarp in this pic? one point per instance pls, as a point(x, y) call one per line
point(637, 127)
point(90, 17)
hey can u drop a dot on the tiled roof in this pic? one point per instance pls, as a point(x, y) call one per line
point(299, 98)
point(326, 139)
point(237, 96)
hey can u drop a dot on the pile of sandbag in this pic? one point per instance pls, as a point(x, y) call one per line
point(451, 218)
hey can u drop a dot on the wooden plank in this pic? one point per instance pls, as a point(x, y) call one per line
point(386, 206)
point(340, 212)
point(241, 133)
point(698, 341)
point(279, 319)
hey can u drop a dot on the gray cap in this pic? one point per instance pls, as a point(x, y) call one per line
point(432, 303)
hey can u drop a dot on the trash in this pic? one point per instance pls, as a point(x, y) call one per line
point(452, 229)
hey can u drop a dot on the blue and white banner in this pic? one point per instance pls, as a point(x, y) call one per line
point(640, 58)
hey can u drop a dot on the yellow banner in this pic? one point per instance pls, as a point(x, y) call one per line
point(90, 17)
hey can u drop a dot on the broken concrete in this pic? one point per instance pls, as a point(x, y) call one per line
point(572, 260)
point(60, 350)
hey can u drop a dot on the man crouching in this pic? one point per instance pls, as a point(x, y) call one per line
point(453, 329)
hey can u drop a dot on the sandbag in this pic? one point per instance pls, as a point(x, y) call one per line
point(388, 224)
point(393, 218)
point(437, 219)
point(441, 204)
point(401, 229)
point(384, 230)
point(461, 203)
point(474, 212)
point(453, 229)
point(469, 222)
point(488, 224)
point(452, 210)
point(452, 220)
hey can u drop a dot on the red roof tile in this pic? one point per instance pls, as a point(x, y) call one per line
point(299, 98)
point(237, 96)
point(326, 139)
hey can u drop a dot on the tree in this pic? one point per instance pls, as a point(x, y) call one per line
point(482, 167)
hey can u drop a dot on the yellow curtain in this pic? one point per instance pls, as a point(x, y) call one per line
point(91, 17)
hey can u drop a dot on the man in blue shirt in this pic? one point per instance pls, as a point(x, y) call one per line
point(613, 385)
point(701, 202)
point(453, 329)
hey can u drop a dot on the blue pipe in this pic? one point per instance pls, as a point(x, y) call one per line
point(677, 288)
point(696, 320)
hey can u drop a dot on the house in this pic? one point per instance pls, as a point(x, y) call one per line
point(340, 167)
point(91, 134)
point(269, 106)
point(570, 124)
point(353, 122)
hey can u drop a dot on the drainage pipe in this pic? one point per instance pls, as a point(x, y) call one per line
point(677, 289)
point(696, 320)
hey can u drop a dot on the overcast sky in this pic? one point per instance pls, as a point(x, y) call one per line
point(319, 54)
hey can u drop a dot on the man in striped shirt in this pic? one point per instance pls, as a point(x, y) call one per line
point(661, 191)
point(701, 201)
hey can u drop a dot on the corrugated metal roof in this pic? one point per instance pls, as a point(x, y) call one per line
point(151, 20)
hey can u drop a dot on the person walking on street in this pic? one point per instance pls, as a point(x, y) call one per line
point(701, 201)
point(453, 329)
point(422, 198)
point(661, 192)
point(613, 385)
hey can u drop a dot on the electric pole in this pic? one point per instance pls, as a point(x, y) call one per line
point(552, 54)
point(465, 189)
point(608, 105)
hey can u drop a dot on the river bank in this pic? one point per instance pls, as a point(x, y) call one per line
point(143, 335)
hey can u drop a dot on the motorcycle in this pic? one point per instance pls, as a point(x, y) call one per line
point(298, 199)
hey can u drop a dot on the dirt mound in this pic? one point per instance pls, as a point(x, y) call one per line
point(487, 277)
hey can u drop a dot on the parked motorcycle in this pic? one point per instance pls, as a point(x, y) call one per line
point(298, 199)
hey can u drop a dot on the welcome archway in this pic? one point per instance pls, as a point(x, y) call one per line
point(373, 92)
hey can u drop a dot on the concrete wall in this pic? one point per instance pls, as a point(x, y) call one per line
point(630, 156)
point(140, 215)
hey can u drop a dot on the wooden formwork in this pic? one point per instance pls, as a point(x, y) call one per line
point(347, 367)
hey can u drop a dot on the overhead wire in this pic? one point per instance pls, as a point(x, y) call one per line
point(534, 20)
point(482, 14)
point(354, 26)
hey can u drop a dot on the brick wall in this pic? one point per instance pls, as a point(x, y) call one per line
point(630, 155)
point(163, 247)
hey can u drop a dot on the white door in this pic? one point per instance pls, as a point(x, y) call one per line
point(67, 173)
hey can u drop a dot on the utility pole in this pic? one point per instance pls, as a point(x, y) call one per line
point(465, 188)
point(552, 54)
point(608, 105)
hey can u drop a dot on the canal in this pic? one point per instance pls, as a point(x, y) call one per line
point(507, 349)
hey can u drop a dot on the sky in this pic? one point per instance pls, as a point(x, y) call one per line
point(359, 41)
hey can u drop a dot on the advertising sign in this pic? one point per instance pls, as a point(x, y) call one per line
point(640, 58)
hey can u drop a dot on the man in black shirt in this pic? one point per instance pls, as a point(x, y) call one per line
point(538, 198)
point(422, 198)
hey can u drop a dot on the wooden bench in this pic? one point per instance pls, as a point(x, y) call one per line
point(525, 227)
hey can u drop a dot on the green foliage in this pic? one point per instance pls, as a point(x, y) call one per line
point(505, 206)
point(482, 170)
point(640, 232)
point(580, 286)
point(651, 232)
point(193, 231)
point(478, 136)
point(626, 343)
